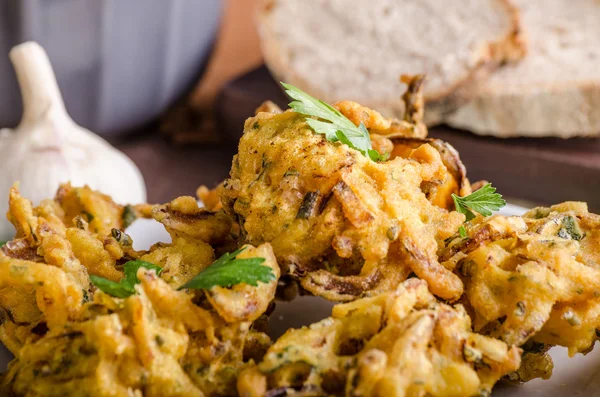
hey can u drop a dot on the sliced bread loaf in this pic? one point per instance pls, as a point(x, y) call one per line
point(555, 89)
point(357, 49)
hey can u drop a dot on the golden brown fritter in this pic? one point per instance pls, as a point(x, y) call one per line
point(41, 256)
point(98, 210)
point(154, 343)
point(67, 233)
point(33, 293)
point(78, 225)
point(344, 225)
point(70, 339)
point(533, 277)
point(399, 343)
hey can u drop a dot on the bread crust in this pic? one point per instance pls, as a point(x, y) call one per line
point(509, 48)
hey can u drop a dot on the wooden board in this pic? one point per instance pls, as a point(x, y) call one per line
point(541, 170)
point(172, 171)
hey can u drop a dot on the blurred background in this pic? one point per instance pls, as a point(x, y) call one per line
point(169, 83)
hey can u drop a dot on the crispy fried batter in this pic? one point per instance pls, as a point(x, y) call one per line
point(343, 224)
point(57, 233)
point(154, 343)
point(99, 210)
point(383, 130)
point(412, 124)
point(63, 280)
point(396, 344)
point(181, 260)
point(358, 114)
point(534, 277)
point(183, 217)
point(413, 99)
point(192, 230)
point(31, 293)
point(158, 342)
point(244, 302)
point(210, 197)
point(438, 192)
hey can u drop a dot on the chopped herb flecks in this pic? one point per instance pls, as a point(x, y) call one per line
point(125, 287)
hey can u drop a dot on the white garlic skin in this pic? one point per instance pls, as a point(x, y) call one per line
point(48, 148)
point(40, 168)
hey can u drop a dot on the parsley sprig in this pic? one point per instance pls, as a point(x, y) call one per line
point(331, 123)
point(484, 201)
point(230, 270)
point(125, 287)
point(226, 271)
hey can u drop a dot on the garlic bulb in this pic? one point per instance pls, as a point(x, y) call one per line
point(48, 148)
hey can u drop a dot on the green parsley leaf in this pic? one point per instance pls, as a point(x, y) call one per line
point(125, 287)
point(462, 231)
point(3, 243)
point(128, 216)
point(110, 287)
point(228, 270)
point(484, 201)
point(336, 127)
point(570, 229)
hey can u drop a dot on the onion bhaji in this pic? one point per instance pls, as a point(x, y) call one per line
point(532, 278)
point(70, 339)
point(155, 343)
point(344, 225)
point(400, 343)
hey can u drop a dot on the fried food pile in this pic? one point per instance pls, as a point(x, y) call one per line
point(436, 303)
point(155, 343)
point(70, 339)
point(533, 279)
point(400, 343)
point(348, 228)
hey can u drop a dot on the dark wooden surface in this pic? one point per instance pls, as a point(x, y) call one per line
point(171, 171)
point(543, 171)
